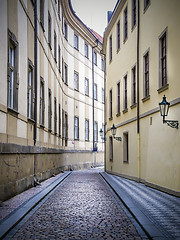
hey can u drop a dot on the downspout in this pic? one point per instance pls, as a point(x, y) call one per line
point(35, 71)
point(93, 87)
point(104, 109)
point(138, 118)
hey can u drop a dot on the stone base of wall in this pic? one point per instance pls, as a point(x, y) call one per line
point(20, 164)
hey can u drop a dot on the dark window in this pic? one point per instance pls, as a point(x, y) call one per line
point(163, 60)
point(110, 148)
point(13, 81)
point(86, 87)
point(146, 4)
point(42, 13)
point(87, 130)
point(125, 92)
point(42, 102)
point(110, 48)
point(133, 13)
point(134, 85)
point(65, 73)
point(76, 42)
point(55, 116)
point(76, 81)
point(55, 46)
point(66, 126)
point(76, 128)
point(65, 30)
point(146, 75)
point(59, 10)
point(59, 120)
point(49, 29)
point(95, 58)
point(96, 131)
point(102, 64)
point(103, 97)
point(59, 57)
point(49, 110)
point(118, 35)
point(125, 23)
point(118, 98)
point(95, 92)
point(125, 147)
point(110, 103)
point(86, 50)
point(62, 69)
point(30, 92)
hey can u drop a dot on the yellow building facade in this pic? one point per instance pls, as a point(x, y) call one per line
point(142, 60)
point(51, 93)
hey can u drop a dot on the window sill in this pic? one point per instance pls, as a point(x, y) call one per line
point(125, 40)
point(77, 49)
point(12, 112)
point(50, 130)
point(162, 89)
point(133, 105)
point(118, 50)
point(42, 126)
point(146, 98)
point(132, 29)
point(118, 114)
point(125, 110)
point(50, 46)
point(111, 118)
point(126, 162)
point(31, 120)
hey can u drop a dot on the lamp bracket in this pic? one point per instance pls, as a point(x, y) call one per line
point(172, 123)
point(118, 138)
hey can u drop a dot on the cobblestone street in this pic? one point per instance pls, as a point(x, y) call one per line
point(82, 207)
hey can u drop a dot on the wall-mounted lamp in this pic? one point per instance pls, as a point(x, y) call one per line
point(113, 131)
point(164, 108)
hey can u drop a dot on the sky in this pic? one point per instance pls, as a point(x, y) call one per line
point(94, 12)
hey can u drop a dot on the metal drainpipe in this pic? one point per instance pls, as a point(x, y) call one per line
point(104, 109)
point(93, 86)
point(138, 118)
point(35, 71)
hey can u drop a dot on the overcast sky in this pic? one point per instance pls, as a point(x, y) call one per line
point(94, 12)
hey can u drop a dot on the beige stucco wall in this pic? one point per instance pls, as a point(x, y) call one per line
point(154, 159)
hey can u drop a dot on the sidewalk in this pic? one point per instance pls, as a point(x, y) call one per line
point(17, 207)
point(158, 213)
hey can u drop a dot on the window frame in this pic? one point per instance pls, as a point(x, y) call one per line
point(42, 14)
point(125, 147)
point(118, 35)
point(95, 92)
point(110, 104)
point(118, 98)
point(76, 128)
point(125, 23)
point(96, 131)
point(146, 93)
point(134, 14)
point(42, 102)
point(133, 93)
point(110, 48)
point(87, 87)
point(30, 88)
point(55, 46)
point(125, 94)
point(110, 148)
point(76, 81)
point(49, 109)
point(76, 41)
point(86, 53)
point(55, 115)
point(49, 30)
point(87, 130)
point(95, 57)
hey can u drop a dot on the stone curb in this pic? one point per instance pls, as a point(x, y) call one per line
point(148, 226)
point(14, 218)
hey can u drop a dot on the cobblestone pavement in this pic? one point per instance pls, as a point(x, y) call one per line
point(82, 207)
point(163, 210)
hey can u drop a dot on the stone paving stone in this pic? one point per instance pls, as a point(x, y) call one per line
point(83, 207)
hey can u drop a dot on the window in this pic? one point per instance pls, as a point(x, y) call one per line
point(76, 81)
point(76, 42)
point(133, 13)
point(62, 69)
point(118, 98)
point(59, 10)
point(125, 24)
point(103, 97)
point(55, 46)
point(86, 50)
point(65, 73)
point(102, 64)
point(86, 130)
point(134, 85)
point(63, 123)
point(49, 29)
point(59, 118)
point(118, 35)
point(110, 148)
point(95, 58)
point(163, 60)
point(103, 136)
point(125, 92)
point(49, 110)
point(59, 57)
point(110, 48)
point(42, 13)
point(95, 92)
point(125, 147)
point(76, 128)
point(96, 131)
point(12, 72)
point(146, 4)
point(66, 126)
point(30, 91)
point(86, 87)
point(110, 104)
point(42, 102)
point(146, 75)
point(65, 30)
point(55, 116)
